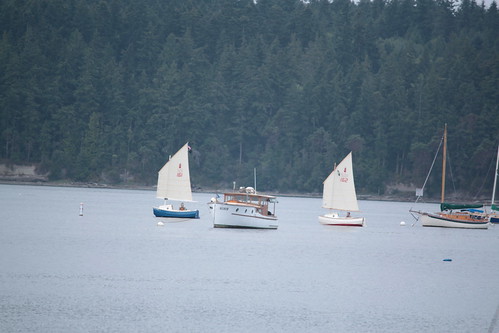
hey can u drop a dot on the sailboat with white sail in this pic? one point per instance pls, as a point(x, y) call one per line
point(339, 195)
point(174, 184)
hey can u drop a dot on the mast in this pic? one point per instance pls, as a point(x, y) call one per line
point(495, 177)
point(442, 198)
point(254, 177)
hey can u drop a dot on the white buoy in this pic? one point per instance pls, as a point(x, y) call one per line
point(81, 209)
point(402, 223)
point(160, 224)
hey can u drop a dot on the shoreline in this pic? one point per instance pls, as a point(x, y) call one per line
point(28, 175)
point(368, 197)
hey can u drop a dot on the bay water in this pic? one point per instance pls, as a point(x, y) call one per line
point(115, 270)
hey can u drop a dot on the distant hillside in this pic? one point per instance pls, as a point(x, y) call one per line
point(104, 91)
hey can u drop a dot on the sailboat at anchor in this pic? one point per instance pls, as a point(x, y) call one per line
point(339, 194)
point(464, 216)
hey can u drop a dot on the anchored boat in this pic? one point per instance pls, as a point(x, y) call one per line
point(244, 209)
point(465, 216)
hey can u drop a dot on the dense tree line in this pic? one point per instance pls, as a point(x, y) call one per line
point(105, 90)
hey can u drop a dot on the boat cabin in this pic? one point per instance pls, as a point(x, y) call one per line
point(260, 202)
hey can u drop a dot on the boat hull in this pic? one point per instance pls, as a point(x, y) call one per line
point(334, 219)
point(240, 216)
point(494, 218)
point(185, 214)
point(437, 220)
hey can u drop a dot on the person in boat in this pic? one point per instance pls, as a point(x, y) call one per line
point(182, 207)
point(348, 214)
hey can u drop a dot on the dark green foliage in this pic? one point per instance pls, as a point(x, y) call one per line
point(105, 90)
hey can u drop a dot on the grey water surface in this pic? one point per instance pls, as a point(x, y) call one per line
point(115, 270)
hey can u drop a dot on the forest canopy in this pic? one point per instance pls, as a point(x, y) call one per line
point(105, 90)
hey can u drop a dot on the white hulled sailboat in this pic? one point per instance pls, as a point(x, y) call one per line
point(464, 216)
point(339, 194)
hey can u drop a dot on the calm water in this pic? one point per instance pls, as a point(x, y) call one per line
point(115, 270)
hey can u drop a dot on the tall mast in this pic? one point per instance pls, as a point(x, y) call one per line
point(254, 177)
point(495, 177)
point(442, 198)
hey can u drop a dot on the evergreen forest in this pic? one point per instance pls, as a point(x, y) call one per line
point(105, 90)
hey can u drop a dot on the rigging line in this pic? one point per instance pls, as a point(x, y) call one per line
point(485, 178)
point(451, 174)
point(494, 321)
point(432, 164)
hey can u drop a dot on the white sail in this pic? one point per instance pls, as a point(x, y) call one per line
point(174, 182)
point(339, 188)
